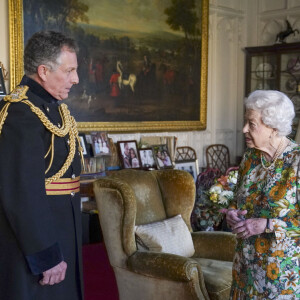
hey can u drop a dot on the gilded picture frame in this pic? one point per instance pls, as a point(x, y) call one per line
point(144, 123)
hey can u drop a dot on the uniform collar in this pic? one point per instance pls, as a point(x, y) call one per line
point(37, 89)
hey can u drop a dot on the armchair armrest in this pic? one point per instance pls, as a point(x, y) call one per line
point(163, 265)
point(218, 245)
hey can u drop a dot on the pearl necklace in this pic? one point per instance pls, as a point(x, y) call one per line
point(276, 155)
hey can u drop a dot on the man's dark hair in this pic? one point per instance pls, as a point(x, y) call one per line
point(44, 48)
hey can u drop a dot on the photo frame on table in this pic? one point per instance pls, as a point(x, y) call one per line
point(88, 138)
point(159, 71)
point(129, 154)
point(89, 141)
point(84, 145)
point(100, 143)
point(147, 158)
point(190, 166)
point(90, 165)
point(2, 84)
point(162, 157)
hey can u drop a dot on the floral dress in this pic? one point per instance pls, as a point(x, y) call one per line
point(266, 266)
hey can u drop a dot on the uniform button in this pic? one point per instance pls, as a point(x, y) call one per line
point(73, 194)
point(48, 109)
point(68, 141)
point(58, 125)
point(73, 176)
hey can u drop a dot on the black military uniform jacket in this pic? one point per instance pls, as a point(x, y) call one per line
point(37, 231)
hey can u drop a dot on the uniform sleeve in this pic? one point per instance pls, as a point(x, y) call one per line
point(285, 211)
point(22, 188)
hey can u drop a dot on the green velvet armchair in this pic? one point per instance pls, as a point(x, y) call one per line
point(133, 197)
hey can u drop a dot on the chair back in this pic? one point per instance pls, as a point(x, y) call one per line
point(185, 153)
point(130, 197)
point(218, 157)
point(148, 199)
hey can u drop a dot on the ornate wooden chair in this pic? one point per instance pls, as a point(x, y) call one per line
point(185, 153)
point(217, 157)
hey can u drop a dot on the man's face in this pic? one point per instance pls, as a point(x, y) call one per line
point(126, 149)
point(59, 82)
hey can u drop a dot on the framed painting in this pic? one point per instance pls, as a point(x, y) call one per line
point(141, 68)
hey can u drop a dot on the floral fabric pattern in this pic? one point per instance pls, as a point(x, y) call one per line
point(266, 266)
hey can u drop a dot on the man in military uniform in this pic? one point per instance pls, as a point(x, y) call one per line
point(40, 219)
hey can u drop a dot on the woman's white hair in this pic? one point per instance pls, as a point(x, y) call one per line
point(277, 110)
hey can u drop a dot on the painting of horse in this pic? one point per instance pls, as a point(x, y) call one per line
point(138, 61)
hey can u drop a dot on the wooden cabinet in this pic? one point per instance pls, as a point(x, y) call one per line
point(275, 67)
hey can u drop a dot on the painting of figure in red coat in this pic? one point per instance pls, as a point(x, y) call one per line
point(138, 61)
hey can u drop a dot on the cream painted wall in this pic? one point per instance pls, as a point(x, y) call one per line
point(269, 17)
point(233, 25)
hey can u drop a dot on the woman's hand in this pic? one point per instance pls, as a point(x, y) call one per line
point(249, 227)
point(234, 216)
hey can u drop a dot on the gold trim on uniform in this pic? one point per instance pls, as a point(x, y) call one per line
point(64, 186)
point(68, 127)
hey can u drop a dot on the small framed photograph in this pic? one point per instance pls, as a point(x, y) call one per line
point(2, 85)
point(147, 158)
point(188, 166)
point(88, 138)
point(84, 145)
point(90, 165)
point(129, 155)
point(89, 147)
point(162, 157)
point(100, 143)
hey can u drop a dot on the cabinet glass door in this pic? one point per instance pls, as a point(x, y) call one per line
point(290, 82)
point(263, 72)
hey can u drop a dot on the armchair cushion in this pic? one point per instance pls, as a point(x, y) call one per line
point(217, 245)
point(217, 277)
point(168, 236)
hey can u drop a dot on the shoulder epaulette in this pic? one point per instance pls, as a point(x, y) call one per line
point(18, 94)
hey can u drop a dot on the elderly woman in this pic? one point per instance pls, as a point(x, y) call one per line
point(265, 213)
